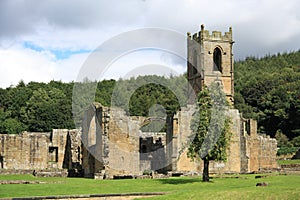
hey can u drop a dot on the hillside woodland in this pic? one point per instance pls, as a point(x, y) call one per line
point(266, 89)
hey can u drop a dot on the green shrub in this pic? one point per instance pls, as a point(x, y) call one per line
point(287, 150)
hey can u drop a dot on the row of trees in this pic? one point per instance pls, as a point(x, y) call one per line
point(35, 107)
point(41, 107)
point(266, 89)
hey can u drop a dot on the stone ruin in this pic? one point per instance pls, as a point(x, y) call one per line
point(131, 151)
point(44, 154)
point(112, 144)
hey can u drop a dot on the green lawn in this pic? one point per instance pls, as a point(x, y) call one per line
point(286, 162)
point(280, 187)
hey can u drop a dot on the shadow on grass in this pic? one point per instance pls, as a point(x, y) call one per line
point(176, 181)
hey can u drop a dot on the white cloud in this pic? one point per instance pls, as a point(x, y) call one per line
point(18, 64)
point(259, 27)
point(68, 69)
point(141, 62)
point(24, 64)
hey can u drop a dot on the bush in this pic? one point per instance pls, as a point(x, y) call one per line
point(287, 150)
point(296, 141)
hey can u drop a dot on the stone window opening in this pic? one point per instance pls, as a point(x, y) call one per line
point(78, 153)
point(194, 66)
point(53, 154)
point(217, 58)
point(1, 161)
point(144, 149)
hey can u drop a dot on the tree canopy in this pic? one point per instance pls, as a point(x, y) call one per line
point(41, 107)
point(268, 90)
point(210, 127)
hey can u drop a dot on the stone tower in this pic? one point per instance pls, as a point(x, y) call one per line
point(210, 58)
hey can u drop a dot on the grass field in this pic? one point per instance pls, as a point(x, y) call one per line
point(229, 187)
point(287, 162)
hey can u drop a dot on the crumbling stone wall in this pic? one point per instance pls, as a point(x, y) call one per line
point(24, 151)
point(182, 132)
point(37, 151)
point(58, 145)
point(94, 135)
point(123, 141)
point(248, 151)
point(110, 142)
point(116, 137)
point(262, 153)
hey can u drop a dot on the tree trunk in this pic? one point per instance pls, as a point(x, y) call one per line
point(205, 175)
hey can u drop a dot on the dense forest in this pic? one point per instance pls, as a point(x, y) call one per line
point(266, 89)
point(41, 107)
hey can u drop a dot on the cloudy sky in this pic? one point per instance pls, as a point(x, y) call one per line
point(51, 39)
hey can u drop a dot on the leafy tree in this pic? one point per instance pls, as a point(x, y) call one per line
point(147, 95)
point(3, 116)
point(15, 98)
point(10, 125)
point(47, 110)
point(104, 91)
point(296, 141)
point(13, 126)
point(210, 127)
point(282, 140)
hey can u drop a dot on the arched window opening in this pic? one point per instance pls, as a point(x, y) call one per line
point(217, 60)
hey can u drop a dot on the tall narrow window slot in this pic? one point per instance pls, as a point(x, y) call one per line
point(53, 154)
point(217, 60)
point(194, 63)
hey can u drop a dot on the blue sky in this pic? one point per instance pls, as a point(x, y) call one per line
point(60, 54)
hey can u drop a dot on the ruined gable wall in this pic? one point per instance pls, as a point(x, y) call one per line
point(123, 142)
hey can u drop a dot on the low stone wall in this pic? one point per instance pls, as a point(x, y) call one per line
point(119, 196)
point(290, 167)
point(20, 182)
point(51, 173)
point(15, 171)
point(38, 173)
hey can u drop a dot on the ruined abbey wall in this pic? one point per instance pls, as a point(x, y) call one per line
point(120, 149)
point(30, 151)
point(25, 151)
point(248, 150)
point(123, 143)
point(114, 145)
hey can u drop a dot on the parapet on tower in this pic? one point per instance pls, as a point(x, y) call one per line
point(210, 58)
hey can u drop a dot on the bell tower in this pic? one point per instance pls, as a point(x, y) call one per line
point(210, 58)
